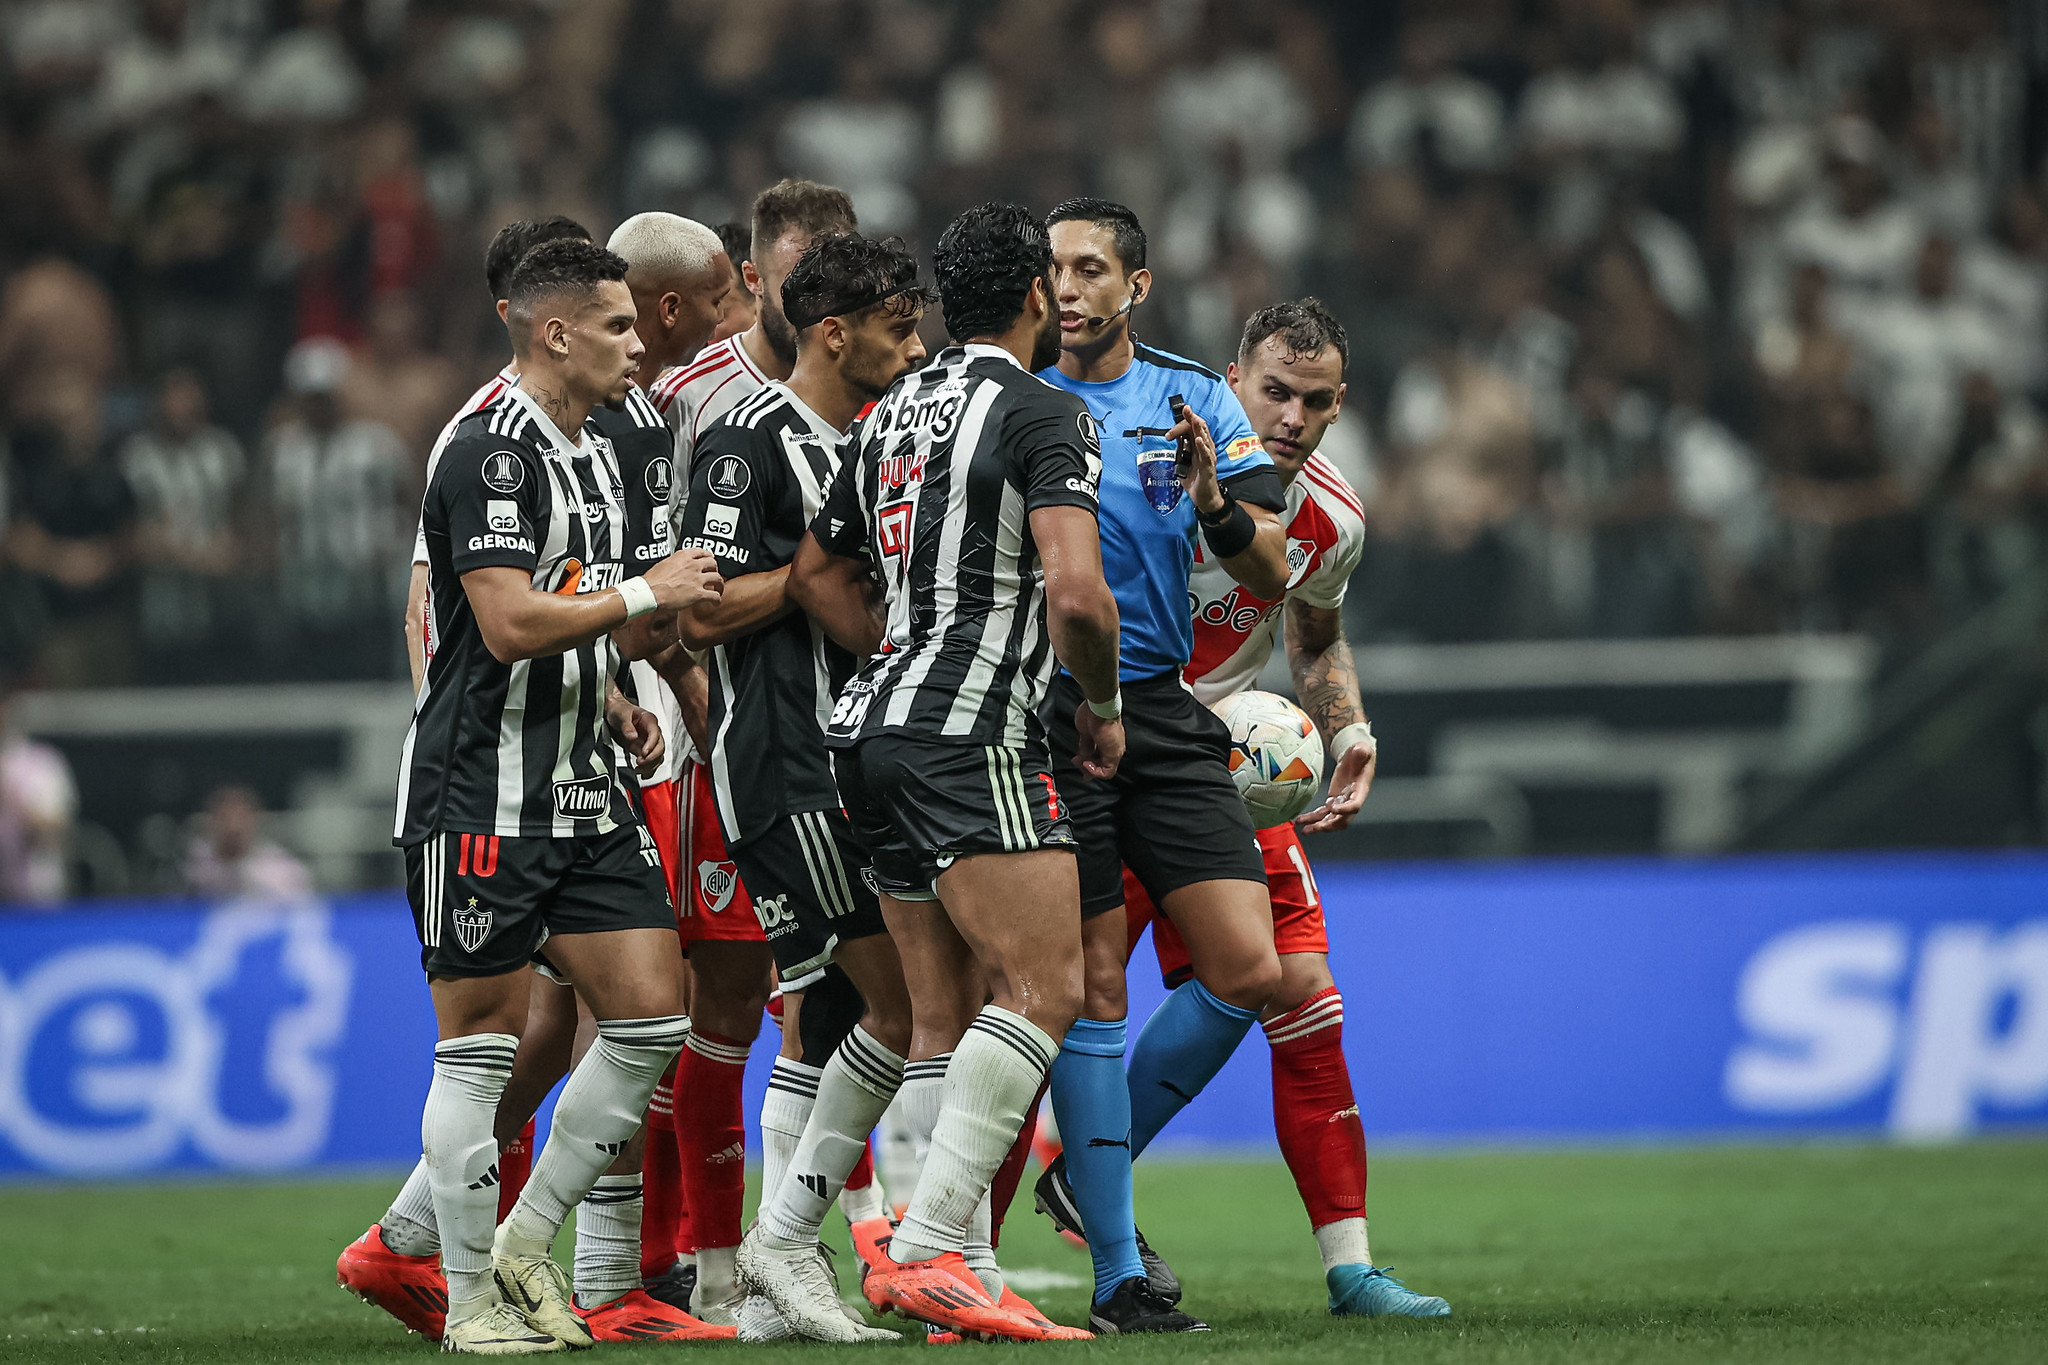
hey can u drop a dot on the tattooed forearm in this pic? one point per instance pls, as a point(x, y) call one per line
point(1318, 656)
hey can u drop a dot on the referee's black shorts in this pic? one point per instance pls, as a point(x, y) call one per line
point(1171, 814)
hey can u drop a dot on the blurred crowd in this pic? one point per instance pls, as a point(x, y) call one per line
point(1668, 316)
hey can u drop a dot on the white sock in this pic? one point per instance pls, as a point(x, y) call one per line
point(990, 1086)
point(608, 1240)
point(718, 1278)
point(461, 1157)
point(864, 1204)
point(1343, 1243)
point(979, 1249)
point(409, 1227)
point(922, 1096)
point(923, 1112)
point(896, 1158)
point(785, 1109)
point(857, 1085)
point(601, 1108)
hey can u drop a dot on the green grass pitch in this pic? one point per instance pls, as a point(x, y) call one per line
point(1819, 1253)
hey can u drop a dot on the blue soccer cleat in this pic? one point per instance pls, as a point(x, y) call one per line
point(1365, 1291)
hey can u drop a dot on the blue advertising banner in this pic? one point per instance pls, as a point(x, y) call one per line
point(1485, 1003)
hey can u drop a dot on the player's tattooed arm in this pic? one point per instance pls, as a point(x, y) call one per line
point(1326, 682)
point(839, 592)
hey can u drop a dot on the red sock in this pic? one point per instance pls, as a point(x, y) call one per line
point(1314, 1110)
point(515, 1163)
point(1008, 1175)
point(863, 1173)
point(661, 1177)
point(711, 1136)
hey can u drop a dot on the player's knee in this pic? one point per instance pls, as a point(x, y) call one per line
point(1103, 991)
point(1248, 984)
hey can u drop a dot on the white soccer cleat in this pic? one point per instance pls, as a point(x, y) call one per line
point(794, 1280)
point(539, 1289)
point(759, 1321)
point(500, 1330)
point(718, 1314)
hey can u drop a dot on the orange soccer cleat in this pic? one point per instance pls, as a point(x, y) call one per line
point(871, 1241)
point(1024, 1308)
point(944, 1293)
point(638, 1316)
point(409, 1288)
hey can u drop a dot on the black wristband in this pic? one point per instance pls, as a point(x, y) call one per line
point(1231, 532)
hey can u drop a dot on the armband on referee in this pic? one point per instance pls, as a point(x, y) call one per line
point(638, 595)
point(1229, 532)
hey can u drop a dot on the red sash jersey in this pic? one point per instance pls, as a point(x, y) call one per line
point(1234, 634)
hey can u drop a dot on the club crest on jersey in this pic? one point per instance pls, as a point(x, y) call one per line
point(730, 476)
point(472, 925)
point(1301, 554)
point(659, 478)
point(583, 798)
point(504, 471)
point(1161, 484)
point(716, 882)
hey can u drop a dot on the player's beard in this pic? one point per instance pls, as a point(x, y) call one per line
point(781, 336)
point(1045, 347)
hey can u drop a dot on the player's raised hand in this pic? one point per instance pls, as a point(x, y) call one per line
point(1195, 460)
point(1102, 743)
point(637, 732)
point(686, 578)
point(1348, 788)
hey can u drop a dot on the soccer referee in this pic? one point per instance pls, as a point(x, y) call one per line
point(1180, 465)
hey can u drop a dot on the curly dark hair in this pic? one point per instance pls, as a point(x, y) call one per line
point(1304, 327)
point(518, 237)
point(846, 276)
point(566, 265)
point(1126, 233)
point(985, 262)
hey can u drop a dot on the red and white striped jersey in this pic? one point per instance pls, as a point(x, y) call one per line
point(695, 395)
point(1234, 627)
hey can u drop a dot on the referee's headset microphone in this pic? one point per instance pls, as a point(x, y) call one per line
point(1132, 302)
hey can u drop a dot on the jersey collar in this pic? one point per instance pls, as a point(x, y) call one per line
point(984, 351)
point(818, 424)
point(547, 424)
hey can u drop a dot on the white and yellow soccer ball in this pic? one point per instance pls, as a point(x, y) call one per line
point(1276, 756)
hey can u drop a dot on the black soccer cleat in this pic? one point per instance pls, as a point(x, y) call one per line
point(674, 1285)
point(1054, 1197)
point(1137, 1307)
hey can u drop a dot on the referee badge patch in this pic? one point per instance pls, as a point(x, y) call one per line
point(730, 476)
point(504, 472)
point(472, 925)
point(1161, 483)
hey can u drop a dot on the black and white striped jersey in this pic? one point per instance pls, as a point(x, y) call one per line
point(936, 493)
point(757, 477)
point(521, 749)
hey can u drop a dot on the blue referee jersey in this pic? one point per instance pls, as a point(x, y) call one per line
point(1148, 521)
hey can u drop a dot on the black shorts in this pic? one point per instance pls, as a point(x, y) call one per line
point(812, 890)
point(917, 804)
point(484, 904)
point(1171, 813)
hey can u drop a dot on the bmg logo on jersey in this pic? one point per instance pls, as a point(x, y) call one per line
point(583, 798)
point(121, 1053)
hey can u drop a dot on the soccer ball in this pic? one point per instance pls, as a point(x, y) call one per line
point(1276, 756)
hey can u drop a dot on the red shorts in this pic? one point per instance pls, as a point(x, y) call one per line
point(713, 904)
point(1297, 907)
point(658, 805)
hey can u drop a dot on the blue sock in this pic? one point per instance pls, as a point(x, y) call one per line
point(1181, 1048)
point(1092, 1103)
